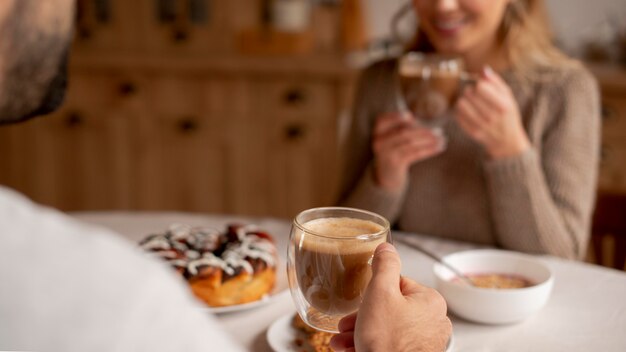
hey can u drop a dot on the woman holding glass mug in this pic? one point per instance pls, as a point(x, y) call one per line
point(517, 167)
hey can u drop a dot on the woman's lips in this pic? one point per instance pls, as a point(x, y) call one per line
point(449, 27)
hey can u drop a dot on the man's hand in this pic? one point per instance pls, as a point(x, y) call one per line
point(397, 314)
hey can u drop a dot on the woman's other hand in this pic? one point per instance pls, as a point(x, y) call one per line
point(489, 114)
point(398, 142)
point(397, 314)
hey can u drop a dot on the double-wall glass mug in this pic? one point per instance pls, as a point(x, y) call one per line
point(329, 262)
point(429, 85)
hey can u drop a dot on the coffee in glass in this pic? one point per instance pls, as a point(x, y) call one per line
point(430, 85)
point(329, 262)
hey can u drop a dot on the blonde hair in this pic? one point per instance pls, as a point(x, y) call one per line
point(524, 38)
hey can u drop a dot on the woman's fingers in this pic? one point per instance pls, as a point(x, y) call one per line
point(391, 121)
point(490, 75)
point(466, 112)
point(492, 95)
point(412, 155)
point(417, 137)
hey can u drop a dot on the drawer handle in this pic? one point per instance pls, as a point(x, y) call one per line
point(180, 35)
point(188, 125)
point(127, 89)
point(605, 152)
point(295, 132)
point(607, 112)
point(74, 120)
point(294, 96)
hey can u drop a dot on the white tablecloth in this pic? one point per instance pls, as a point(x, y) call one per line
point(586, 312)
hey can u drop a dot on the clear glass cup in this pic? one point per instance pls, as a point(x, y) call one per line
point(329, 262)
point(429, 85)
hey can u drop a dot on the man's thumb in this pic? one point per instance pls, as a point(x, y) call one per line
point(386, 266)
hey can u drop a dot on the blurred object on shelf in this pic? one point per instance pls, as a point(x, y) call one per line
point(606, 42)
point(354, 34)
point(620, 38)
point(295, 27)
point(293, 16)
point(596, 52)
point(326, 27)
point(621, 45)
point(267, 41)
point(597, 46)
point(90, 15)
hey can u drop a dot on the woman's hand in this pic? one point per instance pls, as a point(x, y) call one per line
point(489, 114)
point(396, 314)
point(397, 143)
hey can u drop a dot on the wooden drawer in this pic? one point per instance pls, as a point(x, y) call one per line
point(294, 98)
point(227, 96)
point(613, 168)
point(175, 95)
point(104, 89)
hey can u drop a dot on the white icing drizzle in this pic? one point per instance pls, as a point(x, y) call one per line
point(179, 231)
point(181, 247)
point(255, 247)
point(178, 262)
point(166, 254)
point(202, 239)
point(242, 232)
point(191, 254)
point(157, 242)
point(236, 260)
point(211, 260)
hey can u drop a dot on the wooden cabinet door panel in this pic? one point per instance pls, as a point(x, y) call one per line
point(279, 174)
point(79, 157)
point(295, 97)
point(612, 169)
point(183, 158)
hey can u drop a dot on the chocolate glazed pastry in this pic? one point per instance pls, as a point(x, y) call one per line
point(234, 267)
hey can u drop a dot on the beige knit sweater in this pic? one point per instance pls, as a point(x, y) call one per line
point(538, 202)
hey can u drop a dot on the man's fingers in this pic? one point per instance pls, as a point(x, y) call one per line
point(386, 268)
point(347, 323)
point(343, 341)
point(409, 287)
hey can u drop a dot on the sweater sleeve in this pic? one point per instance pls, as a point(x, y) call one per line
point(374, 96)
point(542, 200)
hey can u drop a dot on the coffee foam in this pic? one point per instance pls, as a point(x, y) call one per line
point(422, 71)
point(344, 232)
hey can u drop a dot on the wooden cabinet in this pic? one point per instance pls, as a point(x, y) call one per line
point(162, 113)
point(142, 135)
point(613, 159)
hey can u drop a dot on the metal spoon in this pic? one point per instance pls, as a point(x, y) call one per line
point(436, 258)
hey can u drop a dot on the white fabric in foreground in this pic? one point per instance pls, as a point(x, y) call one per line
point(67, 286)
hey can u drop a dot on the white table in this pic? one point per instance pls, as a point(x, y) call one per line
point(586, 312)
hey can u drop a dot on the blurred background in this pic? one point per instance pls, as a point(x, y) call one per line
point(239, 106)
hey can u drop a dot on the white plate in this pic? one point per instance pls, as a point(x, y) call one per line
point(281, 336)
point(280, 289)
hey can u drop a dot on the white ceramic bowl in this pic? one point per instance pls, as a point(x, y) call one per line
point(494, 306)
